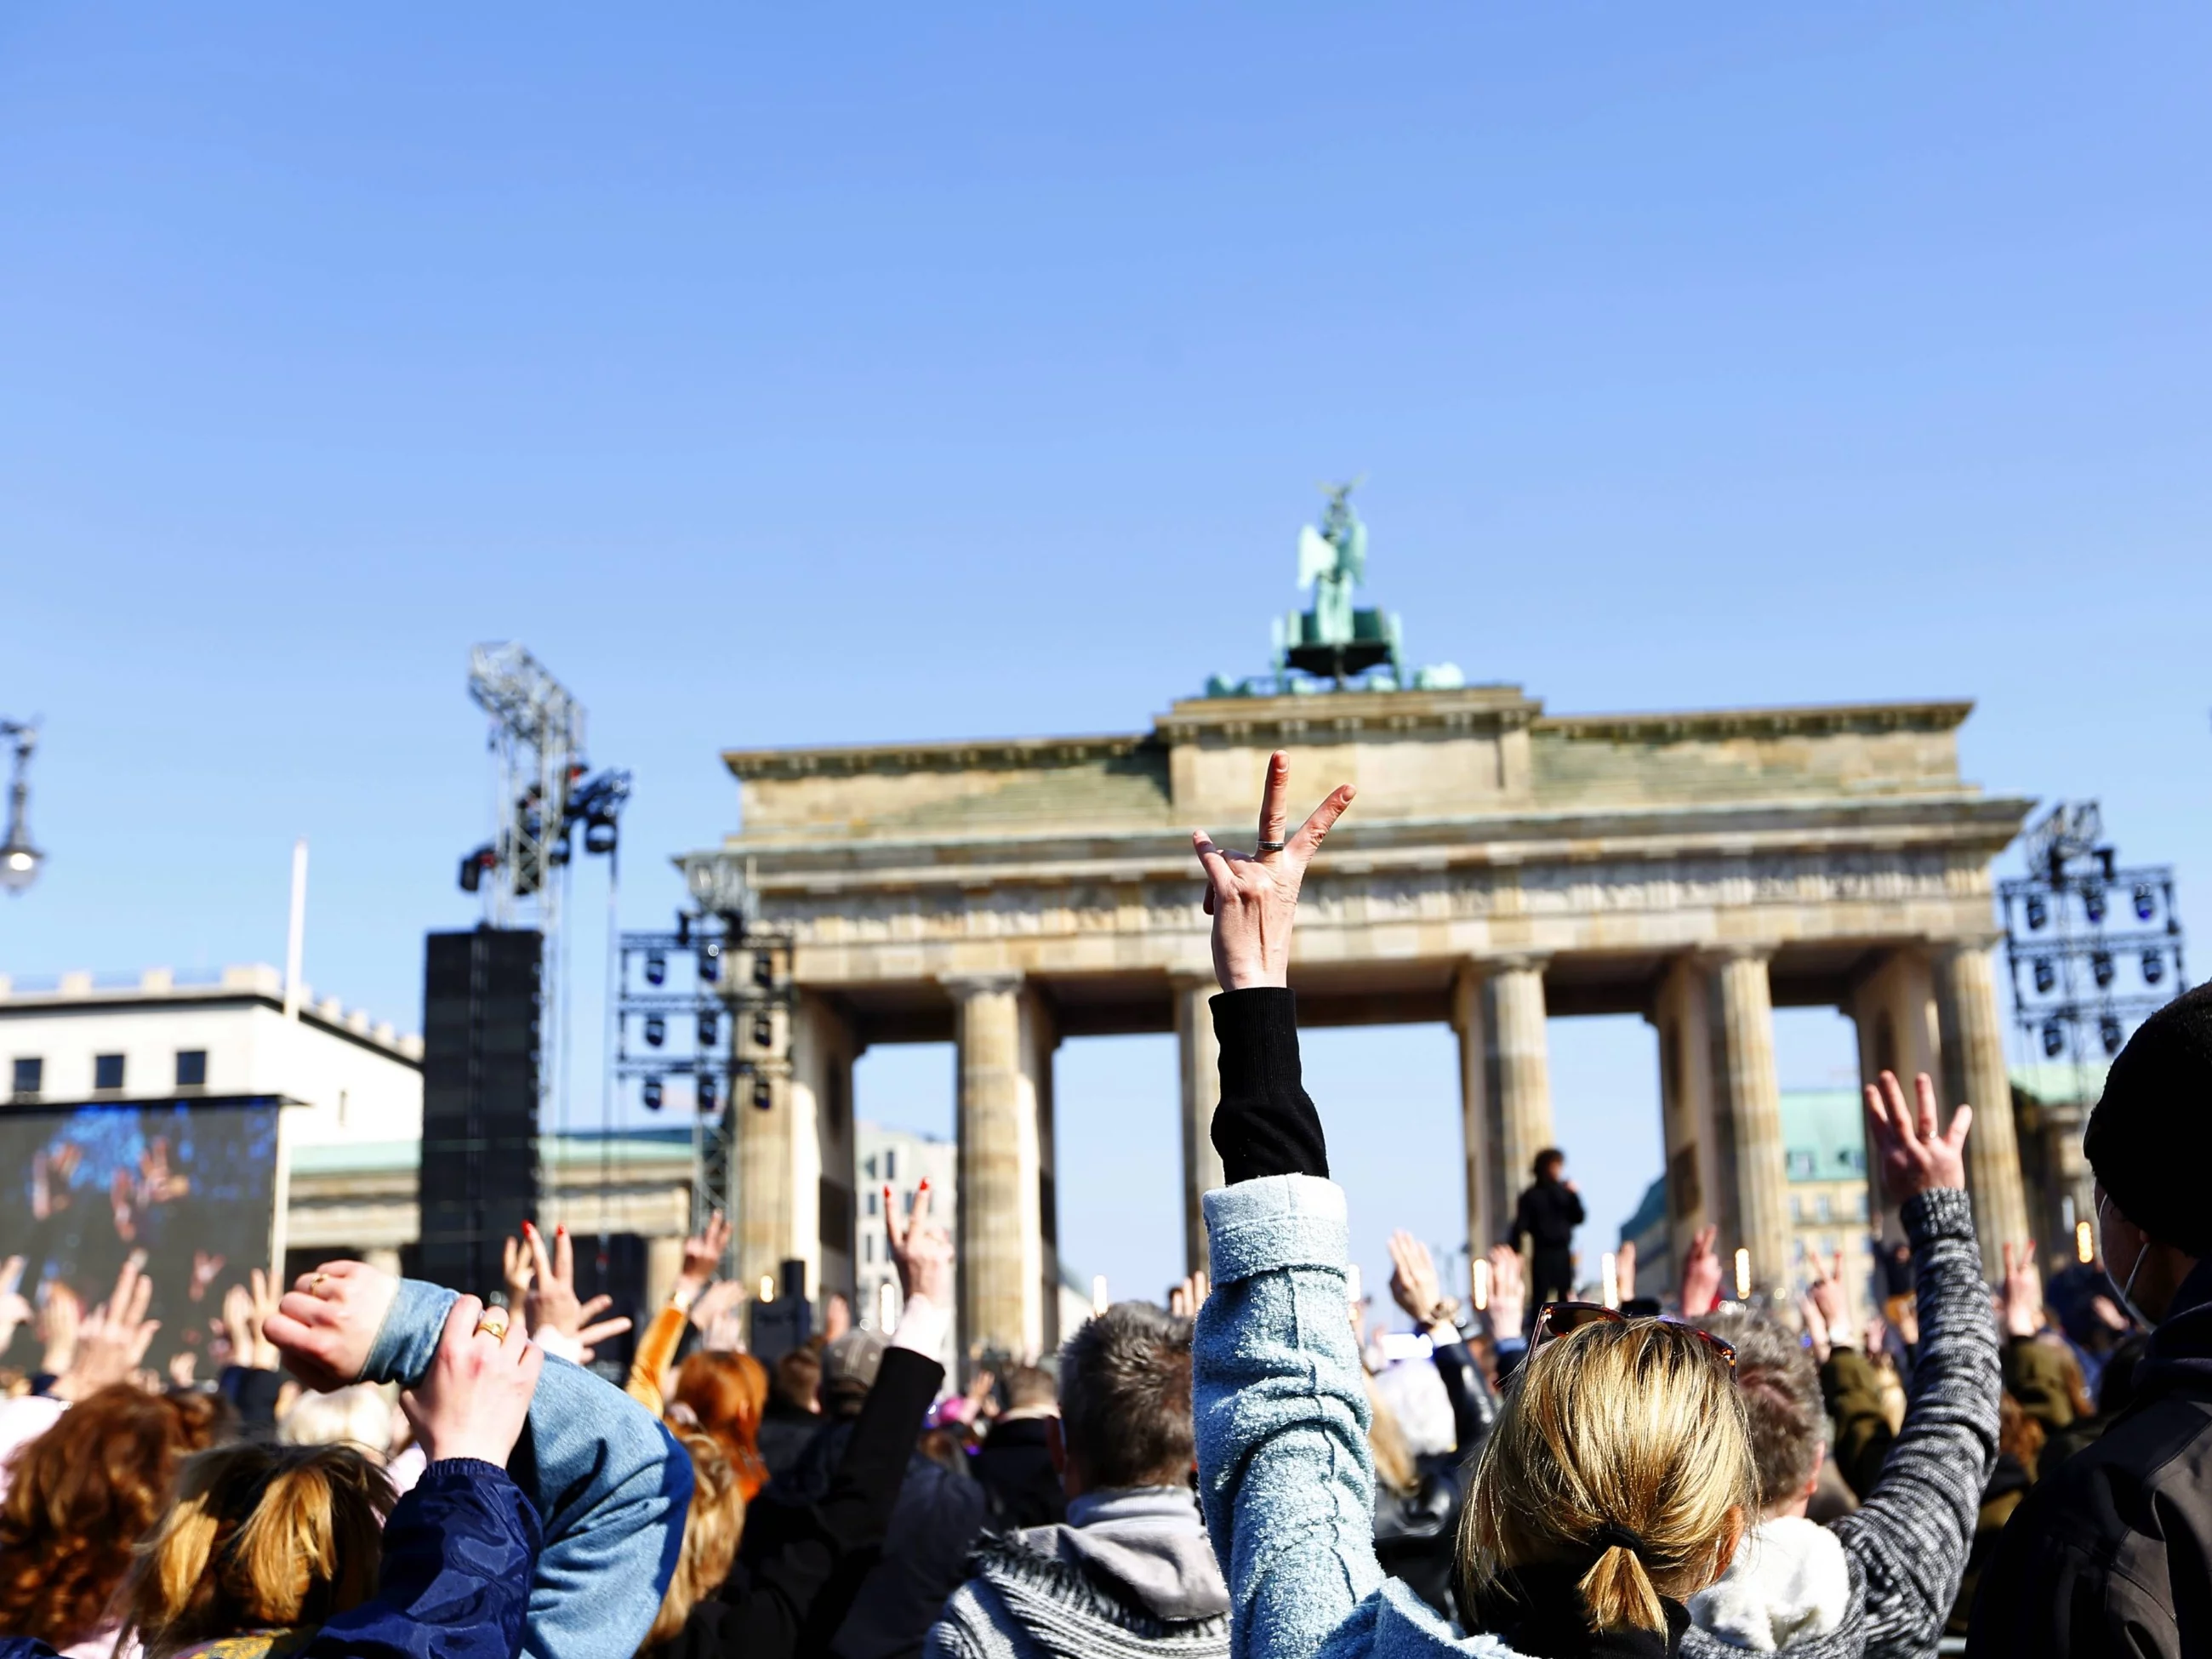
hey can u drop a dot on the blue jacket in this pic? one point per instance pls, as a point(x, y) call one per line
point(1284, 1472)
point(454, 1583)
point(611, 1485)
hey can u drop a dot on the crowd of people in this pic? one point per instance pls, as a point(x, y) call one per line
point(383, 1466)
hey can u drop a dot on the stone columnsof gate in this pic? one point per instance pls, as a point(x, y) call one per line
point(1501, 866)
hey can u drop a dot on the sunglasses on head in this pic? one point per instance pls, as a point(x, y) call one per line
point(1558, 1318)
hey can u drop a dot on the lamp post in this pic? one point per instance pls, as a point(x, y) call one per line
point(19, 858)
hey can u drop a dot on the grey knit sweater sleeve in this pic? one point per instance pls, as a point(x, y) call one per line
point(1910, 1538)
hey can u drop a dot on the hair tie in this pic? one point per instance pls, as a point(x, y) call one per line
point(1611, 1535)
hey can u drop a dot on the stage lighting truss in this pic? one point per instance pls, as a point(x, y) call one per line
point(2094, 948)
point(703, 1019)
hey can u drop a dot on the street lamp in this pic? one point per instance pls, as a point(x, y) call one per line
point(19, 858)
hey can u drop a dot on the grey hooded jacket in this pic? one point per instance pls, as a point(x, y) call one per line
point(1131, 1574)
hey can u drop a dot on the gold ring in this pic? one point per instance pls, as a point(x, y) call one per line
point(315, 1284)
point(493, 1324)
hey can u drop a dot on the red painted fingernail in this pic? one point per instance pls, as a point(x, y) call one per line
point(925, 1185)
point(561, 1232)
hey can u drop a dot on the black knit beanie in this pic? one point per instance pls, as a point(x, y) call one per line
point(2150, 1139)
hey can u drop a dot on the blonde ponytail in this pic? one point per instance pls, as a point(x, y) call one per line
point(260, 1538)
point(1623, 1454)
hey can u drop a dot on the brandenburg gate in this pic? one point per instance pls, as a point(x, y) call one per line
point(1501, 866)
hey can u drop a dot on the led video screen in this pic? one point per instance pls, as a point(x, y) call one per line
point(191, 1185)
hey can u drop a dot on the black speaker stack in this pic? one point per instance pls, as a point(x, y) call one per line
point(481, 997)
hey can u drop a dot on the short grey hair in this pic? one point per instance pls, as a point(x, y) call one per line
point(1125, 1397)
point(1781, 1390)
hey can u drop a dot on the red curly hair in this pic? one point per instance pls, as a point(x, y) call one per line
point(727, 1393)
point(83, 1494)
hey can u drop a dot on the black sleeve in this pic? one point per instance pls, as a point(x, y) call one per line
point(1473, 1409)
point(810, 1581)
point(254, 1393)
point(1576, 1214)
point(1265, 1125)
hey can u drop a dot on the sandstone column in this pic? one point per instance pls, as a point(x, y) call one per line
point(1518, 1072)
point(1972, 1034)
point(1488, 1202)
point(824, 1045)
point(1001, 1241)
point(1744, 1083)
point(776, 1159)
point(1198, 1057)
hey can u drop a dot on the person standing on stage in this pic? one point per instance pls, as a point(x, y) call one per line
point(1549, 1213)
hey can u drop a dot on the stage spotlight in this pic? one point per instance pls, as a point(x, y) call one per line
point(2045, 975)
point(763, 1031)
point(763, 1097)
point(2154, 967)
point(656, 1030)
point(764, 969)
point(682, 930)
point(710, 960)
point(2039, 913)
point(2108, 1032)
point(2146, 902)
point(2093, 903)
point(2054, 1039)
point(652, 1094)
point(2100, 965)
point(656, 968)
point(710, 1027)
point(710, 1092)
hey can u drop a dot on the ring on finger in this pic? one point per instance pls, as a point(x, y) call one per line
point(1273, 846)
point(494, 1324)
point(315, 1284)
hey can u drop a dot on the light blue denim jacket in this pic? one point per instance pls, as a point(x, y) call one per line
point(1284, 1472)
point(611, 1485)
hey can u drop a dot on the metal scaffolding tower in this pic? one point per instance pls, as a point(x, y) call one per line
point(2094, 948)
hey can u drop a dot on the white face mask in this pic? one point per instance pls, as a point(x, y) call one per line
point(2142, 1255)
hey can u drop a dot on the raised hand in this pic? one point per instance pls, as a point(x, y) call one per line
point(205, 1266)
point(475, 1398)
point(1184, 1300)
point(113, 1337)
point(923, 1253)
point(58, 1328)
point(515, 1273)
point(1624, 1270)
point(326, 1324)
point(1914, 1159)
point(2022, 1298)
point(1701, 1275)
point(1509, 1296)
point(702, 1260)
point(554, 1304)
point(15, 1307)
point(1830, 1296)
point(1414, 1285)
point(246, 1322)
point(1253, 897)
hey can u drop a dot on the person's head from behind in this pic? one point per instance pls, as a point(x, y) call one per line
point(1549, 1163)
point(259, 1538)
point(1030, 1389)
point(798, 1378)
point(81, 1494)
point(849, 1371)
point(725, 1394)
point(1782, 1409)
point(711, 1528)
point(359, 1416)
point(2147, 1142)
point(1125, 1401)
point(1620, 1460)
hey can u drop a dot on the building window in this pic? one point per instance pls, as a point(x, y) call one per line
point(1801, 1165)
point(874, 1199)
point(1796, 1206)
point(1824, 1208)
point(1859, 1203)
point(107, 1071)
point(192, 1068)
point(30, 1074)
point(867, 1247)
point(891, 1164)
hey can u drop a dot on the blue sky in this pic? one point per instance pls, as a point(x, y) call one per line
point(886, 374)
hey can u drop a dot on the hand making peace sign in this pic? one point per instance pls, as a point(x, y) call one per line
point(1253, 897)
